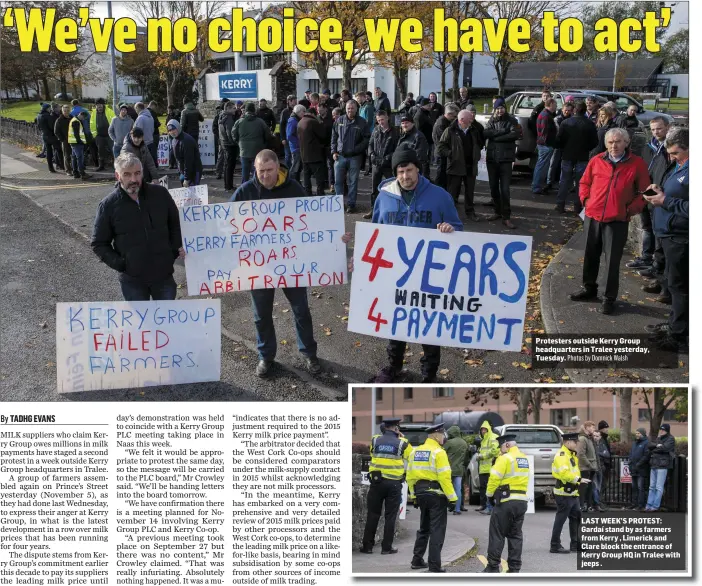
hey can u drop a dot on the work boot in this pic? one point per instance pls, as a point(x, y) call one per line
point(365, 550)
point(263, 367)
point(85, 176)
point(559, 549)
point(560, 208)
point(368, 216)
point(351, 209)
point(472, 216)
point(389, 551)
point(428, 378)
point(386, 375)
point(508, 224)
point(100, 168)
point(656, 328)
point(639, 263)
point(652, 287)
point(480, 509)
point(313, 365)
point(490, 569)
point(438, 571)
point(607, 307)
point(666, 299)
point(584, 294)
point(418, 565)
point(647, 273)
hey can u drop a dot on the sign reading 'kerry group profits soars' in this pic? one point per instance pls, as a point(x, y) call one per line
point(238, 86)
point(264, 244)
point(462, 289)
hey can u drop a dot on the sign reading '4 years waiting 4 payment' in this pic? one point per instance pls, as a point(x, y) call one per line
point(466, 290)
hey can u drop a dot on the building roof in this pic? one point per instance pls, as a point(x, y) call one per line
point(582, 73)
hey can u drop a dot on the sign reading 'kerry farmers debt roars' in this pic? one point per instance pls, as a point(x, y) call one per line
point(462, 289)
point(264, 244)
point(121, 345)
point(238, 86)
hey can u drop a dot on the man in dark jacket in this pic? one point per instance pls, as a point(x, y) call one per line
point(311, 135)
point(270, 181)
point(662, 459)
point(671, 222)
point(187, 155)
point(416, 141)
point(639, 469)
point(252, 135)
point(78, 139)
point(46, 121)
point(456, 448)
point(534, 116)
point(174, 114)
point(61, 131)
point(546, 132)
point(284, 115)
point(461, 144)
point(501, 133)
point(266, 114)
point(407, 104)
point(226, 125)
point(383, 142)
point(424, 121)
point(350, 138)
point(152, 108)
point(134, 144)
point(463, 100)
point(381, 101)
point(100, 126)
point(143, 258)
point(604, 455)
point(450, 114)
point(220, 154)
point(190, 119)
point(435, 108)
point(576, 137)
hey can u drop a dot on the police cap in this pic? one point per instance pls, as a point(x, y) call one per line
point(436, 428)
point(508, 437)
point(570, 437)
point(391, 422)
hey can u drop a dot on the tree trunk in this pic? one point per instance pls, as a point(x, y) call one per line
point(536, 404)
point(456, 66)
point(47, 91)
point(625, 417)
point(443, 78)
point(322, 69)
point(658, 410)
point(400, 80)
point(64, 84)
point(523, 406)
point(348, 70)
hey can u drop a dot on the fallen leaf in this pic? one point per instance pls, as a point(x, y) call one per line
point(495, 377)
point(293, 386)
point(357, 344)
point(474, 362)
point(527, 340)
point(286, 310)
point(345, 318)
point(681, 364)
point(560, 321)
point(571, 277)
point(244, 357)
point(284, 342)
point(565, 377)
point(327, 332)
point(50, 364)
point(444, 371)
point(43, 325)
point(142, 393)
point(515, 364)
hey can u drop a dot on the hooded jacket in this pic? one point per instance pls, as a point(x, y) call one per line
point(350, 138)
point(417, 142)
point(638, 458)
point(225, 125)
point(456, 448)
point(190, 119)
point(424, 122)
point(502, 134)
point(587, 454)
point(146, 123)
point(138, 239)
point(664, 456)
point(611, 192)
point(285, 187)
point(673, 217)
point(251, 134)
point(440, 125)
point(144, 155)
point(429, 206)
point(119, 129)
point(382, 103)
point(489, 449)
point(382, 145)
point(46, 121)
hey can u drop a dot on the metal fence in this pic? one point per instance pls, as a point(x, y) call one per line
point(25, 133)
point(616, 492)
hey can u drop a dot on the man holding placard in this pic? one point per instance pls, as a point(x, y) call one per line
point(270, 181)
point(137, 233)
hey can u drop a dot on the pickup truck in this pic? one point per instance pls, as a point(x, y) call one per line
point(539, 440)
point(520, 105)
point(623, 101)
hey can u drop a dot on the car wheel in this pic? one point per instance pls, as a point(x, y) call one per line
point(472, 497)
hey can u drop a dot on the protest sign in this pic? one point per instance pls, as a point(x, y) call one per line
point(205, 144)
point(163, 181)
point(196, 195)
point(162, 152)
point(482, 167)
point(119, 345)
point(264, 244)
point(624, 472)
point(466, 290)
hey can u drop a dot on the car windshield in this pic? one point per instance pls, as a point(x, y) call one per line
point(535, 436)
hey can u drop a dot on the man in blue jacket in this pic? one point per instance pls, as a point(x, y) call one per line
point(639, 470)
point(350, 137)
point(409, 199)
point(671, 224)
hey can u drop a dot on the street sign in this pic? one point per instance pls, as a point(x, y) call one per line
point(624, 473)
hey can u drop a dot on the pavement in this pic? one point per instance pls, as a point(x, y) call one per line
point(347, 357)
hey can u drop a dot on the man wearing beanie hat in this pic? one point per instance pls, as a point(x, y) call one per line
point(662, 457)
point(415, 140)
point(409, 199)
point(639, 469)
point(187, 154)
point(119, 128)
point(134, 144)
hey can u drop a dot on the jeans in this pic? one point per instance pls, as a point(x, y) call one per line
point(296, 168)
point(655, 487)
point(541, 170)
point(456, 480)
point(50, 154)
point(350, 166)
point(246, 167)
point(554, 171)
point(77, 159)
point(677, 276)
point(288, 154)
point(500, 177)
point(135, 290)
point(262, 304)
point(571, 171)
point(117, 149)
point(596, 486)
point(638, 495)
point(610, 237)
point(318, 169)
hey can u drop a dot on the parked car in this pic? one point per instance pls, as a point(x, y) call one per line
point(415, 433)
point(62, 96)
point(623, 101)
point(520, 105)
point(539, 440)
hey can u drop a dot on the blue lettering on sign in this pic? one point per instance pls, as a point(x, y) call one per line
point(522, 463)
point(238, 85)
point(421, 456)
point(385, 448)
point(430, 265)
point(511, 249)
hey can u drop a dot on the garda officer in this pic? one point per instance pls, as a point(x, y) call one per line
point(389, 452)
point(507, 488)
point(567, 474)
point(429, 482)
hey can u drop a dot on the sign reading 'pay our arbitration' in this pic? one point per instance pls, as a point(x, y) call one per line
point(466, 290)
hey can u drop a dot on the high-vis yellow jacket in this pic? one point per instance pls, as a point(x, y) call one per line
point(429, 466)
point(566, 472)
point(510, 469)
point(489, 449)
point(389, 452)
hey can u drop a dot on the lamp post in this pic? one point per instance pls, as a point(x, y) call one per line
point(112, 65)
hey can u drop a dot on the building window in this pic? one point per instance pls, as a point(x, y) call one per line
point(444, 392)
point(408, 418)
point(134, 89)
point(313, 85)
point(353, 395)
point(359, 85)
point(378, 395)
point(353, 424)
point(669, 415)
point(253, 62)
point(409, 393)
point(562, 417)
point(227, 64)
point(271, 59)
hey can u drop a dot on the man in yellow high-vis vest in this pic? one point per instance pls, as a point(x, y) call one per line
point(429, 483)
point(507, 487)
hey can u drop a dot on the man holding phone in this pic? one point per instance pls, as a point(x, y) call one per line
point(671, 225)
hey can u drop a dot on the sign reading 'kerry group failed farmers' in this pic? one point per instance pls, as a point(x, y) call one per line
point(264, 244)
point(466, 290)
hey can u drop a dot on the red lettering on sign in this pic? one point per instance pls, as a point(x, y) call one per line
point(376, 261)
point(164, 343)
point(250, 228)
point(95, 340)
point(204, 289)
point(378, 319)
point(144, 341)
point(268, 224)
point(268, 282)
point(244, 257)
point(288, 223)
point(302, 219)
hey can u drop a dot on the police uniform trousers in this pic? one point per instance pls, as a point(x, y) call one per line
point(568, 508)
point(432, 529)
point(506, 522)
point(388, 492)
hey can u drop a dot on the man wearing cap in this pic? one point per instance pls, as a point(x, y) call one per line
point(605, 461)
point(415, 140)
point(568, 478)
point(120, 127)
point(507, 487)
point(489, 450)
point(134, 144)
point(190, 118)
point(350, 138)
point(266, 114)
point(456, 448)
point(187, 154)
point(662, 459)
point(429, 484)
point(389, 453)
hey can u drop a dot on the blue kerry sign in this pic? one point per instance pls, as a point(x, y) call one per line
point(239, 86)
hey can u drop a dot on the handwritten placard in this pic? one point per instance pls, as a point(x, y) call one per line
point(205, 144)
point(196, 195)
point(466, 290)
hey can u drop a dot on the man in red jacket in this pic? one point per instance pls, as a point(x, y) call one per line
point(610, 191)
